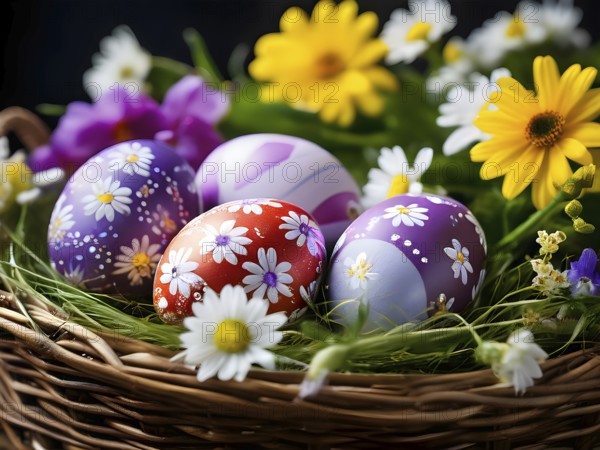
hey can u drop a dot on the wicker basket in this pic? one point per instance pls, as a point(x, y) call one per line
point(64, 386)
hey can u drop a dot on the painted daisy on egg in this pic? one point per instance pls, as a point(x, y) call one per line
point(359, 272)
point(303, 231)
point(463, 106)
point(460, 257)
point(178, 273)
point(225, 242)
point(408, 34)
point(332, 57)
point(133, 159)
point(228, 333)
point(409, 216)
point(121, 60)
point(61, 220)
point(108, 196)
point(267, 277)
point(534, 135)
point(138, 261)
point(395, 176)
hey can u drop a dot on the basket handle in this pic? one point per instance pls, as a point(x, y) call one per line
point(31, 131)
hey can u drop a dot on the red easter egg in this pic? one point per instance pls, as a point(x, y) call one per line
point(272, 248)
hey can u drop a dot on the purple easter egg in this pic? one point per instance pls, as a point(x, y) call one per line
point(400, 255)
point(117, 214)
point(284, 167)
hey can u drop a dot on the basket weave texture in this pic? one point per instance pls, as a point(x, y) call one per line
point(63, 386)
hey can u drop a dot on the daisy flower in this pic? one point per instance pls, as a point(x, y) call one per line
point(503, 33)
point(409, 34)
point(61, 220)
point(410, 215)
point(178, 273)
point(133, 159)
point(267, 276)
point(460, 257)
point(359, 272)
point(248, 206)
point(107, 198)
point(228, 333)
point(225, 242)
point(332, 59)
point(138, 261)
point(303, 231)
point(75, 276)
point(395, 176)
point(121, 60)
point(534, 136)
point(463, 106)
point(560, 18)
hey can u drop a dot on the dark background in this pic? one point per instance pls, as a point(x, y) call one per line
point(48, 44)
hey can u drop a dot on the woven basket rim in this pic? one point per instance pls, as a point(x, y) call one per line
point(136, 381)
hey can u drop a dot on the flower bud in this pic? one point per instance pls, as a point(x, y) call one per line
point(581, 226)
point(585, 174)
point(574, 209)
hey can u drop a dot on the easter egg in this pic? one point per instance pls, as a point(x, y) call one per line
point(272, 248)
point(285, 167)
point(400, 255)
point(117, 214)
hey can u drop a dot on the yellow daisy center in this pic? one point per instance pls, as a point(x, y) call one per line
point(106, 198)
point(132, 158)
point(418, 32)
point(460, 257)
point(452, 53)
point(232, 336)
point(126, 72)
point(399, 186)
point(329, 65)
point(360, 269)
point(515, 29)
point(140, 260)
point(403, 210)
point(545, 129)
point(57, 223)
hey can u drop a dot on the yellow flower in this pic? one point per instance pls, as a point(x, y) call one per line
point(535, 134)
point(325, 63)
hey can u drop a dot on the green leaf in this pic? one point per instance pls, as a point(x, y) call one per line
point(49, 109)
point(201, 56)
point(165, 73)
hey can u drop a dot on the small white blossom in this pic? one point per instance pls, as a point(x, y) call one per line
point(359, 272)
point(464, 102)
point(519, 364)
point(549, 242)
point(395, 176)
point(121, 60)
point(408, 34)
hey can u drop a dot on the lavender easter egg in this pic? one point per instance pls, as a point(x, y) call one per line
point(400, 255)
point(117, 214)
point(284, 167)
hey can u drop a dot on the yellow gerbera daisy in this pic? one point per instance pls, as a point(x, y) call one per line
point(325, 64)
point(533, 135)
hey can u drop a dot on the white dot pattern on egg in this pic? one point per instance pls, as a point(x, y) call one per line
point(117, 214)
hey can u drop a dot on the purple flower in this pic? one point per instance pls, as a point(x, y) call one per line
point(86, 129)
point(192, 108)
point(583, 276)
